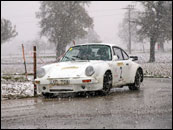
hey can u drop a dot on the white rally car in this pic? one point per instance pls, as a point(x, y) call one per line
point(90, 67)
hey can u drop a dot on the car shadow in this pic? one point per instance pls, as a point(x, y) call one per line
point(95, 94)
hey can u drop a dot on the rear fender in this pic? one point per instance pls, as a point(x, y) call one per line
point(133, 72)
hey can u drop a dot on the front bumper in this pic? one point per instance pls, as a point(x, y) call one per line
point(73, 85)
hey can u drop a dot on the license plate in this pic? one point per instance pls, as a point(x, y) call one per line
point(59, 82)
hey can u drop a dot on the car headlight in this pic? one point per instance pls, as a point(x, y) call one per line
point(89, 71)
point(41, 72)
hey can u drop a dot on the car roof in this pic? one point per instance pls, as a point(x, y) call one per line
point(96, 44)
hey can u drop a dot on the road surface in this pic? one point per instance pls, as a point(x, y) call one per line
point(151, 107)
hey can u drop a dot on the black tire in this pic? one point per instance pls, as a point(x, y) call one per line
point(48, 95)
point(138, 80)
point(107, 83)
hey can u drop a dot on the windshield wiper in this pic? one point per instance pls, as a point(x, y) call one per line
point(69, 58)
point(77, 57)
point(81, 59)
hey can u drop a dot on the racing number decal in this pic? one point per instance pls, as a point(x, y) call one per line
point(121, 72)
point(120, 64)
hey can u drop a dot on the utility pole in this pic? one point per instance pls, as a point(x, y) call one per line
point(129, 8)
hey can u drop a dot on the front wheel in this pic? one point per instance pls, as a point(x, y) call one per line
point(138, 80)
point(107, 83)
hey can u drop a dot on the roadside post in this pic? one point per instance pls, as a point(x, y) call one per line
point(24, 61)
point(35, 71)
point(74, 43)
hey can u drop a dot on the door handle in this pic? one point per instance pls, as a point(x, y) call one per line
point(127, 63)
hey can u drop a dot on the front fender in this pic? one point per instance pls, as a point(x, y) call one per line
point(133, 71)
point(100, 70)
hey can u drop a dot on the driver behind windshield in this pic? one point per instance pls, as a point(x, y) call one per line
point(88, 52)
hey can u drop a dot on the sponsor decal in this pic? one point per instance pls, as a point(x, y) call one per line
point(120, 64)
point(71, 67)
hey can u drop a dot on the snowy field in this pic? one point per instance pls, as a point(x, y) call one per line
point(162, 67)
point(15, 86)
point(13, 81)
point(16, 89)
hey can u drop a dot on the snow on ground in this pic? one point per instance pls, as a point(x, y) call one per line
point(162, 67)
point(18, 87)
point(158, 69)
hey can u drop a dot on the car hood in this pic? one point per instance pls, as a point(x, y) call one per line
point(68, 69)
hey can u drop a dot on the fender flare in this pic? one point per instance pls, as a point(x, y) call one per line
point(100, 72)
point(133, 72)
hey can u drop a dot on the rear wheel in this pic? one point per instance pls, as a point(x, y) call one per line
point(138, 80)
point(107, 83)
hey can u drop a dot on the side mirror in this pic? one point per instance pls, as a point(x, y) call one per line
point(115, 58)
point(134, 58)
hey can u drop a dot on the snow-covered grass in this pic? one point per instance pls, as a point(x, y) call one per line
point(162, 67)
point(162, 70)
point(16, 89)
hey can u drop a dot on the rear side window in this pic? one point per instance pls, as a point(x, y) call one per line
point(126, 57)
point(118, 52)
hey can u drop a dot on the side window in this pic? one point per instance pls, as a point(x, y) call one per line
point(126, 57)
point(118, 52)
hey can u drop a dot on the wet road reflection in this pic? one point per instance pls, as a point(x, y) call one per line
point(151, 107)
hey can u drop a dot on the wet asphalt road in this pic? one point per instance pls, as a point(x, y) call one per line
point(151, 107)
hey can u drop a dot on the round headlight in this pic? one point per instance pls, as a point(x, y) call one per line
point(89, 71)
point(41, 72)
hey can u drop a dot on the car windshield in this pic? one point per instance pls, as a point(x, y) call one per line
point(88, 52)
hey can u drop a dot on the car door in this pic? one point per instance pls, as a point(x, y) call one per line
point(123, 65)
point(126, 67)
point(118, 67)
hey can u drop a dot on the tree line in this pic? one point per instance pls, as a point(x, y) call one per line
point(64, 21)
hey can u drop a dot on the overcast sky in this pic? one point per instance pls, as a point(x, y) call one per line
point(106, 14)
